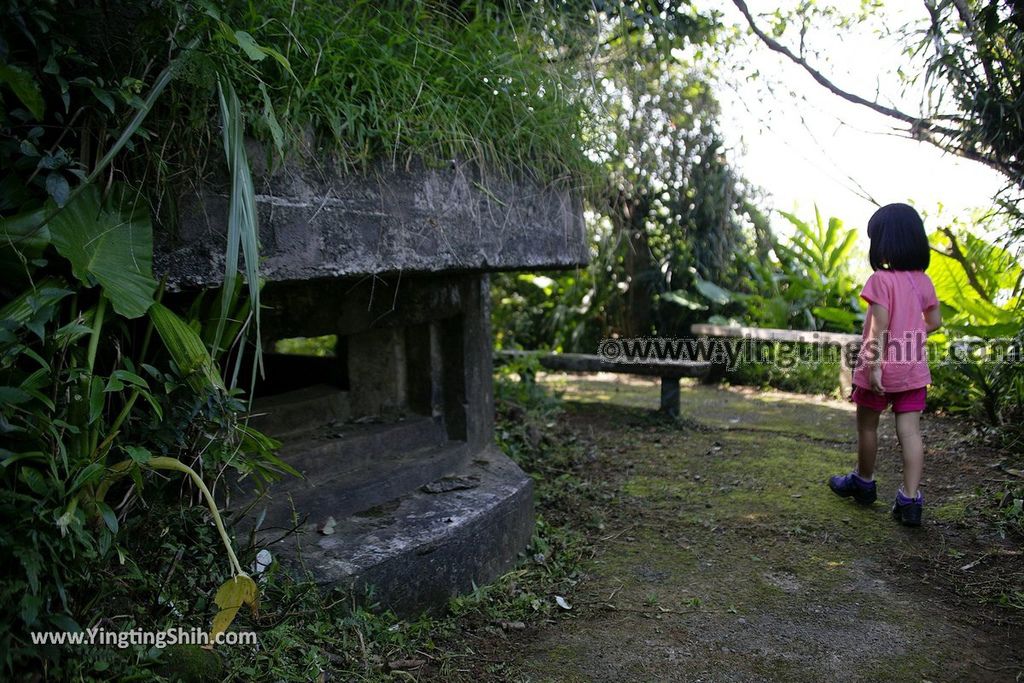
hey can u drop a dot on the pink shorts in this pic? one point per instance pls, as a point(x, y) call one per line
point(902, 401)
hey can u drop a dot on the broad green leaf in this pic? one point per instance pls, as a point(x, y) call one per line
point(953, 286)
point(137, 453)
point(30, 604)
point(9, 458)
point(111, 245)
point(32, 561)
point(35, 480)
point(25, 89)
point(87, 475)
point(65, 622)
point(13, 396)
point(679, 298)
point(839, 255)
point(71, 333)
point(22, 239)
point(250, 46)
point(235, 592)
point(713, 292)
point(280, 59)
point(109, 516)
point(271, 120)
point(842, 317)
point(118, 378)
point(96, 399)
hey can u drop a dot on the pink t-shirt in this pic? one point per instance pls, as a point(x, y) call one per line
point(906, 295)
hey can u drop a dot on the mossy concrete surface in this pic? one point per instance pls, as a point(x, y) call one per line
point(725, 557)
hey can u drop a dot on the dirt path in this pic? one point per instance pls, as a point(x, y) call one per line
point(723, 556)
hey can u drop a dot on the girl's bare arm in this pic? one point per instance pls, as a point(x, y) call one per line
point(879, 336)
point(932, 319)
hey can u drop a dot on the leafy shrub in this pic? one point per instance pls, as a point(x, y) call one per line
point(107, 107)
point(102, 384)
point(380, 81)
point(804, 377)
point(806, 286)
point(979, 286)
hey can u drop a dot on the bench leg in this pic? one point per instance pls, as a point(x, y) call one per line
point(670, 396)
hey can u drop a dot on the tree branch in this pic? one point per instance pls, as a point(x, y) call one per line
point(972, 30)
point(922, 129)
point(915, 122)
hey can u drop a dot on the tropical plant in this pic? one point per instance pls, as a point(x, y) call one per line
point(666, 209)
point(108, 109)
point(981, 289)
point(76, 331)
point(807, 285)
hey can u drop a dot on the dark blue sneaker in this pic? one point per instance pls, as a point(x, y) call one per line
point(907, 511)
point(851, 485)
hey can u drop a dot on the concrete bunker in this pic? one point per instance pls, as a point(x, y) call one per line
point(403, 488)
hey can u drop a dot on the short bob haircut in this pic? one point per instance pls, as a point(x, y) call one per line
point(898, 239)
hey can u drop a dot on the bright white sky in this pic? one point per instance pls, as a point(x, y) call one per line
point(819, 149)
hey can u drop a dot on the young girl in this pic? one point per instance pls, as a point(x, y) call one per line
point(892, 367)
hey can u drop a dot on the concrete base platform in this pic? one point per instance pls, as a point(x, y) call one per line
point(429, 545)
point(396, 507)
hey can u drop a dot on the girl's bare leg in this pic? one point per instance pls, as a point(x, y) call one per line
point(867, 441)
point(908, 429)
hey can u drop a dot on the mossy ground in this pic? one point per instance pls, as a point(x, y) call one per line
point(723, 556)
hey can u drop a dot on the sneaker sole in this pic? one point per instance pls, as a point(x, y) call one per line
point(913, 521)
point(851, 494)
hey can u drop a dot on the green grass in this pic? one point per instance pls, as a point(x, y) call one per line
point(394, 81)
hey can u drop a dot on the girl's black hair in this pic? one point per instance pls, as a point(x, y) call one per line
point(898, 239)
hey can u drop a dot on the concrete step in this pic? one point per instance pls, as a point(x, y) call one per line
point(342, 487)
point(346, 445)
point(424, 546)
point(299, 411)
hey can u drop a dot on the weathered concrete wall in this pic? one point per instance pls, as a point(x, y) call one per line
point(316, 222)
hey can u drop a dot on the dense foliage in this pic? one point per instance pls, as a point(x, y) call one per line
point(108, 109)
point(685, 242)
point(667, 209)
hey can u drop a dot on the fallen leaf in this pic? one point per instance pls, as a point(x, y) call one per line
point(233, 593)
point(971, 565)
point(406, 664)
point(446, 484)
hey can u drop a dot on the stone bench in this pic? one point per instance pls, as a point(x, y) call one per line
point(669, 372)
point(767, 334)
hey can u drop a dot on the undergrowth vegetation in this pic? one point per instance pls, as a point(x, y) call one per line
point(304, 632)
point(109, 110)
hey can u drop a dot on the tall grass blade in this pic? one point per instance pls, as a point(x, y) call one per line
point(243, 227)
